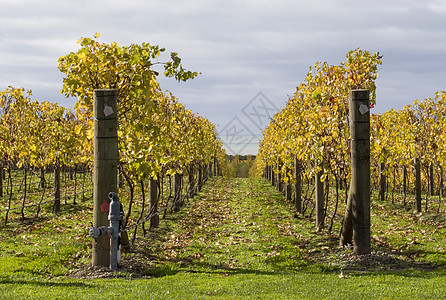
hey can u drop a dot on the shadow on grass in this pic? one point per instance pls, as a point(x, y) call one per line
point(207, 268)
point(44, 283)
point(408, 273)
point(15, 220)
point(14, 223)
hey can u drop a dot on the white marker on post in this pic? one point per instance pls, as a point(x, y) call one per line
point(363, 108)
point(108, 110)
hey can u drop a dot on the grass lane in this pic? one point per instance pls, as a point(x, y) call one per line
point(237, 226)
point(236, 240)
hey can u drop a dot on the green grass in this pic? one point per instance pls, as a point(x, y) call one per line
point(420, 236)
point(301, 285)
point(45, 246)
point(242, 170)
point(237, 239)
point(235, 233)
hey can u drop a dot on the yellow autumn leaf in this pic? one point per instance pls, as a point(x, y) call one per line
point(77, 129)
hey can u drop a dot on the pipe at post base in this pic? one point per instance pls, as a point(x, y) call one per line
point(114, 218)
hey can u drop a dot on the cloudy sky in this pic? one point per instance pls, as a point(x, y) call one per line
point(252, 54)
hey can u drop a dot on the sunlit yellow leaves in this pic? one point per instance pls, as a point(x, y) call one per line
point(362, 71)
point(38, 132)
point(314, 124)
point(156, 133)
point(77, 129)
point(166, 138)
point(415, 131)
point(127, 69)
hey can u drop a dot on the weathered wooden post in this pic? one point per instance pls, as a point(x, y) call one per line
point(215, 166)
point(269, 174)
point(319, 185)
point(273, 176)
point(56, 205)
point(431, 186)
point(177, 191)
point(431, 180)
point(153, 186)
point(192, 179)
point(297, 185)
point(287, 184)
point(42, 183)
point(200, 178)
point(440, 188)
point(404, 184)
point(1, 179)
point(360, 156)
point(417, 184)
point(105, 172)
point(279, 177)
point(382, 181)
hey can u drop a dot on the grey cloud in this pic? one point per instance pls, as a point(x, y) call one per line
point(241, 47)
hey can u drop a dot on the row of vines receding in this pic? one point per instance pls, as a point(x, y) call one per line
point(159, 138)
point(311, 135)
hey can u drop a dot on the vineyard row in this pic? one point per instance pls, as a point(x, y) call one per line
point(311, 138)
